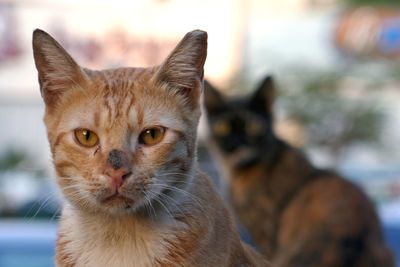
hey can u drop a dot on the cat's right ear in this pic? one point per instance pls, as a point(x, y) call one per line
point(263, 98)
point(182, 71)
point(213, 100)
point(57, 70)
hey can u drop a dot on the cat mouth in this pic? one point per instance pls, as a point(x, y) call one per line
point(118, 198)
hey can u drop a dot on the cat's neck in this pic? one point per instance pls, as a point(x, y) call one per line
point(115, 240)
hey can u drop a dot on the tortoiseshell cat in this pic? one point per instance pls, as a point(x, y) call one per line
point(297, 215)
point(123, 143)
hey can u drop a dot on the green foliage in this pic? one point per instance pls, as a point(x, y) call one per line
point(12, 159)
point(16, 159)
point(331, 118)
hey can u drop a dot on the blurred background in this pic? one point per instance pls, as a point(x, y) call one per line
point(336, 63)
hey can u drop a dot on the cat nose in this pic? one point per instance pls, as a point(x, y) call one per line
point(117, 176)
point(117, 167)
point(117, 159)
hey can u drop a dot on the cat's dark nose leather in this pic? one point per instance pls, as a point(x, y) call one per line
point(117, 159)
point(118, 168)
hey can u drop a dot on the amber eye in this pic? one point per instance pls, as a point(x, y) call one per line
point(152, 136)
point(254, 128)
point(86, 138)
point(221, 128)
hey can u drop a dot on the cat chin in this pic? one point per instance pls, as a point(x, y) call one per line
point(118, 207)
point(120, 211)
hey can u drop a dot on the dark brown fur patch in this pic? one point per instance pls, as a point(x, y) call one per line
point(297, 214)
point(309, 217)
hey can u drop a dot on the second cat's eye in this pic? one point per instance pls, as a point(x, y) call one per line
point(221, 128)
point(152, 136)
point(254, 128)
point(86, 138)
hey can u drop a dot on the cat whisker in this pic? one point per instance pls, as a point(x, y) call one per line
point(148, 203)
point(183, 191)
point(42, 205)
point(172, 178)
point(45, 197)
point(174, 202)
point(192, 197)
point(156, 198)
point(56, 213)
point(175, 174)
point(82, 186)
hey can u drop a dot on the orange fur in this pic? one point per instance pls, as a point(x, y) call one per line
point(164, 212)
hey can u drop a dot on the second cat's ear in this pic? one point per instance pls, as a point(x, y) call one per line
point(213, 100)
point(57, 70)
point(182, 71)
point(263, 98)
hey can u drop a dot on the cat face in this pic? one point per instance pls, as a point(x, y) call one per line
point(241, 128)
point(121, 139)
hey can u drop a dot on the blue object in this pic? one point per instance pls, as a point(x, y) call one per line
point(392, 237)
point(389, 38)
point(27, 243)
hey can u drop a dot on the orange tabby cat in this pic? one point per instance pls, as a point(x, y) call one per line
point(124, 143)
point(298, 216)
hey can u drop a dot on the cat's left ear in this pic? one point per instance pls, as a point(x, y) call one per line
point(263, 98)
point(58, 71)
point(182, 71)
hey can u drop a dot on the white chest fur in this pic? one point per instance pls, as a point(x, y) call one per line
point(115, 242)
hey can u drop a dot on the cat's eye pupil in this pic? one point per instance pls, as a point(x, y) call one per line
point(86, 138)
point(86, 134)
point(152, 136)
point(152, 132)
